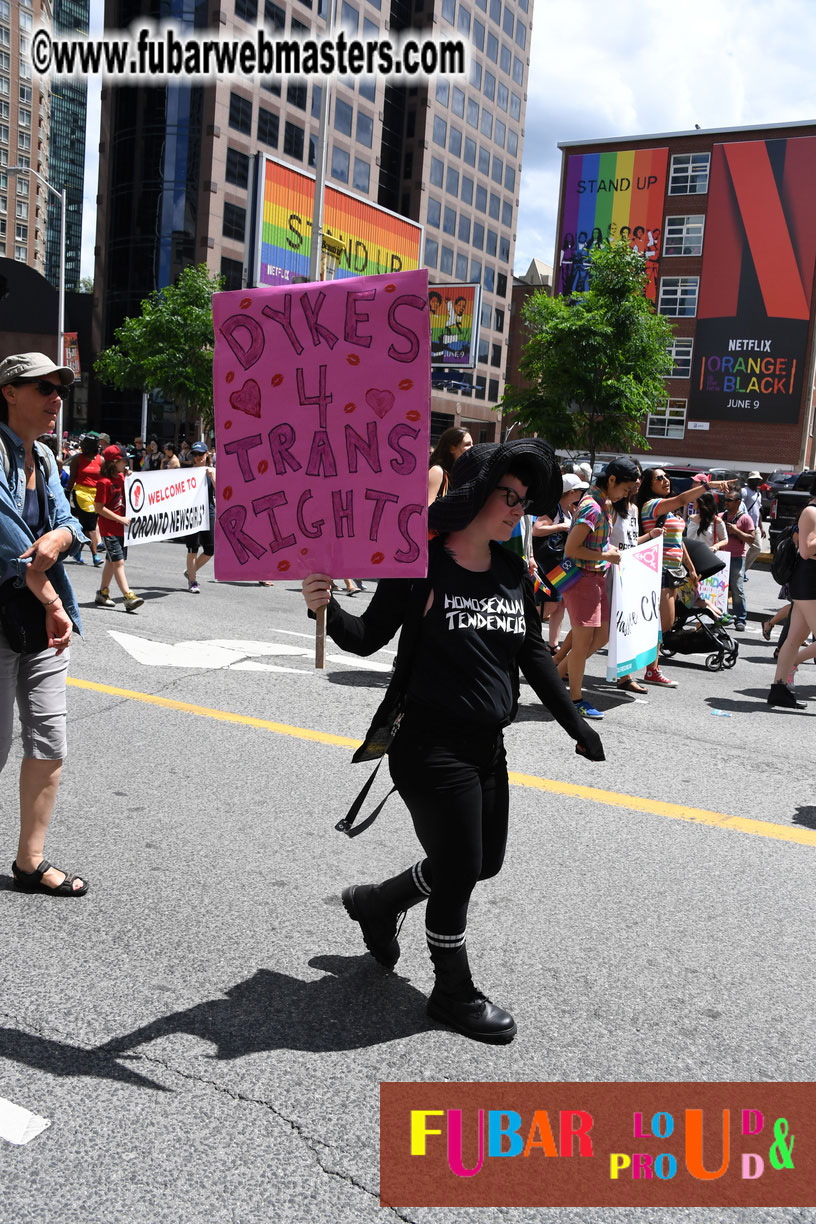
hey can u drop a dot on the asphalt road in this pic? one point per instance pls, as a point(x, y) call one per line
point(203, 1030)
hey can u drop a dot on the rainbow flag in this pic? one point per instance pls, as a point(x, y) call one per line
point(563, 575)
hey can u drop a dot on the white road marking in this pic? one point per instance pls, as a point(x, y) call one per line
point(18, 1125)
point(221, 653)
point(363, 664)
point(252, 665)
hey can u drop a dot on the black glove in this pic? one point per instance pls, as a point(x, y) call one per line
point(590, 745)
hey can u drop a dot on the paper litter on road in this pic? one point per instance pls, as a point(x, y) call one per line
point(19, 1125)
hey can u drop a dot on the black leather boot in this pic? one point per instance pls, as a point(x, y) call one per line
point(378, 921)
point(455, 1001)
point(781, 695)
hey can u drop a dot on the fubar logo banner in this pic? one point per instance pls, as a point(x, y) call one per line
point(598, 1145)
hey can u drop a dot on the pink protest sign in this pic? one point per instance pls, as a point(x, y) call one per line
point(322, 414)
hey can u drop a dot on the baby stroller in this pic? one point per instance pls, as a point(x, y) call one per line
point(698, 630)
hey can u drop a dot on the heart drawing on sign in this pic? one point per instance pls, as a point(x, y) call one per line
point(248, 399)
point(380, 402)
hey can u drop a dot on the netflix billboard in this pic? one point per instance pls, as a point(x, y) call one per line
point(757, 282)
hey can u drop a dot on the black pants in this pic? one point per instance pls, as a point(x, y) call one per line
point(455, 787)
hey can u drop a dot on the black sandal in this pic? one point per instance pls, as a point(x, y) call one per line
point(31, 881)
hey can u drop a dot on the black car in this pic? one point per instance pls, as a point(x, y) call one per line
point(781, 478)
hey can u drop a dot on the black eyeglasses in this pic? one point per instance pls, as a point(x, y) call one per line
point(513, 498)
point(45, 388)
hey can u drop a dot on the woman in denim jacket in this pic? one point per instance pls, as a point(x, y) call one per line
point(37, 530)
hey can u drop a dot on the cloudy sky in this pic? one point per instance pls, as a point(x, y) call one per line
point(601, 70)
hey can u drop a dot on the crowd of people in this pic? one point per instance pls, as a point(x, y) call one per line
point(503, 519)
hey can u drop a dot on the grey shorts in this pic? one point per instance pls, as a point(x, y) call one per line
point(37, 683)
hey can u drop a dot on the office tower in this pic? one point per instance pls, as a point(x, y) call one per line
point(24, 129)
point(177, 162)
point(67, 152)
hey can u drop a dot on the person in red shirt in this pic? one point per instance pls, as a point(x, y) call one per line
point(740, 528)
point(110, 507)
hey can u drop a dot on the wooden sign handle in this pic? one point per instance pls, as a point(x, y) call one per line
point(320, 639)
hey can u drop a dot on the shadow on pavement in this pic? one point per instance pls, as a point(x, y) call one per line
point(60, 1058)
point(360, 679)
point(356, 1005)
point(805, 816)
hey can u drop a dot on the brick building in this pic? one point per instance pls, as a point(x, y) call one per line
point(726, 222)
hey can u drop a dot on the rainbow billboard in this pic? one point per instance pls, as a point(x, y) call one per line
point(375, 241)
point(611, 196)
point(753, 317)
point(454, 319)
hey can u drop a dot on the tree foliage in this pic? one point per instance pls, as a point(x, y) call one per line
point(595, 361)
point(169, 346)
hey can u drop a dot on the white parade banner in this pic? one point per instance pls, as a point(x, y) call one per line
point(161, 505)
point(634, 621)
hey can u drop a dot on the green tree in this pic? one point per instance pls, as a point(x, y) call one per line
point(85, 284)
point(595, 362)
point(169, 346)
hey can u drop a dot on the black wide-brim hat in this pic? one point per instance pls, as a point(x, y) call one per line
point(479, 469)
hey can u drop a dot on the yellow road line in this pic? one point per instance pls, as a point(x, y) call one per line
point(653, 807)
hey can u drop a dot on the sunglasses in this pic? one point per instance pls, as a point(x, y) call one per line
point(45, 388)
point(513, 498)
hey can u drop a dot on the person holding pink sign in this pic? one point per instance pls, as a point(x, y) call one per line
point(466, 631)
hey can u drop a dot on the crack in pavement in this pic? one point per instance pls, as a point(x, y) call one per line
point(311, 1142)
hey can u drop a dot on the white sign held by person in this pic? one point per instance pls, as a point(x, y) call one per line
point(634, 620)
point(161, 505)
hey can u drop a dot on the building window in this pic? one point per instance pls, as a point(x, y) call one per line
point(473, 113)
point(21, 232)
point(481, 199)
point(437, 173)
point(518, 70)
point(21, 210)
point(455, 141)
point(521, 34)
point(296, 95)
point(503, 97)
point(365, 129)
point(478, 35)
point(234, 222)
point(461, 267)
point(293, 141)
point(268, 128)
point(362, 175)
point(431, 252)
point(500, 133)
point(458, 102)
point(683, 235)
point(508, 21)
point(240, 114)
point(506, 59)
point(247, 10)
point(501, 283)
point(678, 296)
point(494, 207)
point(492, 240)
point(443, 90)
point(232, 271)
point(24, 141)
point(680, 353)
point(486, 126)
point(504, 250)
point(446, 261)
point(448, 10)
point(434, 212)
point(484, 161)
point(464, 228)
point(452, 185)
point(497, 172)
point(688, 174)
point(489, 278)
point(476, 275)
point(475, 77)
point(463, 22)
point(470, 151)
point(467, 190)
point(340, 164)
point(498, 323)
point(507, 213)
point(478, 235)
point(274, 16)
point(489, 87)
point(23, 117)
point(670, 423)
point(343, 116)
point(493, 390)
point(449, 221)
point(237, 170)
point(493, 48)
point(440, 132)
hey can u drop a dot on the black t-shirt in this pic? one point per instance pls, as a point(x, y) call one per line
point(470, 637)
